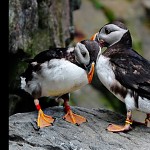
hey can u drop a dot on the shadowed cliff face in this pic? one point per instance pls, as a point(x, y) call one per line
point(92, 135)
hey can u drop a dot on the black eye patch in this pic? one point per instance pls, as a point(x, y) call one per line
point(107, 31)
point(83, 54)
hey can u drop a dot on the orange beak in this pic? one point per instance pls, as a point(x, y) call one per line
point(93, 37)
point(101, 42)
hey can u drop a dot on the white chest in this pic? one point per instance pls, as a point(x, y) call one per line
point(61, 76)
point(106, 75)
point(104, 71)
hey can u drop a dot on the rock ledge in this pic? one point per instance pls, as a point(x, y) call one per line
point(92, 135)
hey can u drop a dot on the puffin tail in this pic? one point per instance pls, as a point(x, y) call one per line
point(23, 82)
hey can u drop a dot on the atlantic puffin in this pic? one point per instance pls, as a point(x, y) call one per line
point(123, 71)
point(56, 73)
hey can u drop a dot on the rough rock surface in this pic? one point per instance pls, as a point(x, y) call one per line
point(92, 135)
point(38, 24)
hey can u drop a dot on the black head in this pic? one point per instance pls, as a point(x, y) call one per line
point(112, 33)
point(87, 51)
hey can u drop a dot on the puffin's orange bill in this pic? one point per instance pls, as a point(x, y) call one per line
point(91, 73)
point(93, 37)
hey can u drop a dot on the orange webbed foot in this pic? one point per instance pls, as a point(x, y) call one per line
point(74, 118)
point(147, 120)
point(44, 120)
point(119, 128)
point(122, 128)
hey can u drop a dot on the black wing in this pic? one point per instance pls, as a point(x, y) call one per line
point(133, 71)
point(57, 53)
point(47, 55)
point(50, 54)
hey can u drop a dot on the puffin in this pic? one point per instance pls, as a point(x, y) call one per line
point(57, 72)
point(123, 71)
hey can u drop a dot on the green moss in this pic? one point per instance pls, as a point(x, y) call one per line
point(97, 4)
point(108, 12)
point(40, 42)
point(137, 45)
point(60, 31)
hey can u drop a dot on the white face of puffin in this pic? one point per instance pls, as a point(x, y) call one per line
point(82, 54)
point(111, 34)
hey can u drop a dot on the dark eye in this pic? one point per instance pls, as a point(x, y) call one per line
point(107, 31)
point(83, 54)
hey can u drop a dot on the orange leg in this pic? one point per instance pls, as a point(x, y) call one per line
point(43, 120)
point(72, 117)
point(147, 120)
point(91, 73)
point(119, 128)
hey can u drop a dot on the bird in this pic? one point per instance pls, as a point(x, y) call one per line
point(123, 71)
point(55, 73)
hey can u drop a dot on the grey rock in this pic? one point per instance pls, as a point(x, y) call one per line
point(35, 25)
point(23, 21)
point(92, 135)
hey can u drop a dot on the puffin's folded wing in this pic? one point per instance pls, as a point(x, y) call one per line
point(133, 73)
